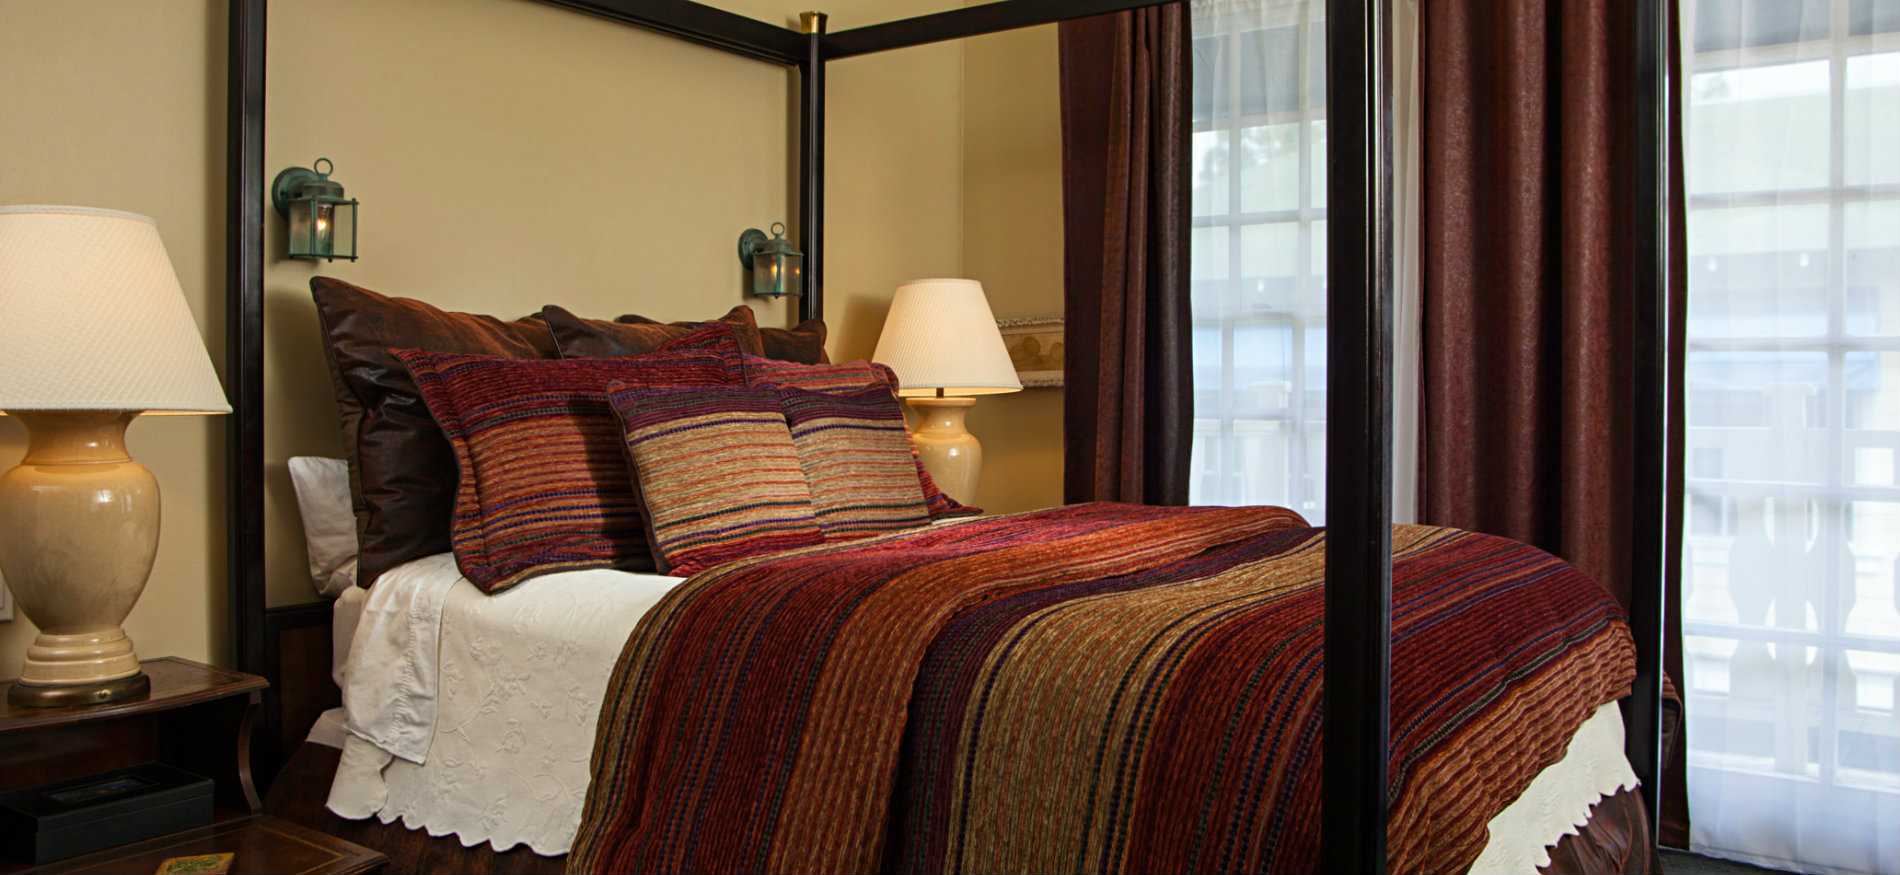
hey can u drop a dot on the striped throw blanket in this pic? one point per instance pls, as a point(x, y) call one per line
point(1099, 687)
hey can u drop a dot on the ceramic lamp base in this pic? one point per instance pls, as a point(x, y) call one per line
point(78, 532)
point(949, 451)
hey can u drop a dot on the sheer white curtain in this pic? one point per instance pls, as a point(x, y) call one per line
point(1259, 256)
point(1792, 639)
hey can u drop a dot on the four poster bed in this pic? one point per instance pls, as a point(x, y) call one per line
point(914, 733)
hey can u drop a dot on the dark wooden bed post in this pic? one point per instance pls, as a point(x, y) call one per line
point(244, 333)
point(1358, 673)
point(811, 162)
point(1642, 739)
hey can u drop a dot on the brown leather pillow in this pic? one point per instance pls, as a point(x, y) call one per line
point(402, 470)
point(580, 338)
point(803, 343)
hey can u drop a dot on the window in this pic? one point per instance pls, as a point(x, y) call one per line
point(1259, 255)
point(1792, 638)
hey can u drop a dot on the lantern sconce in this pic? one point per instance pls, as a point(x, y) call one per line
point(777, 269)
point(321, 221)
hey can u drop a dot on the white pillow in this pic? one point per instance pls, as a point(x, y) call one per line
point(329, 526)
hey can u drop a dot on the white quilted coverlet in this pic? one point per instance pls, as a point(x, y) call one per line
point(473, 714)
point(1559, 799)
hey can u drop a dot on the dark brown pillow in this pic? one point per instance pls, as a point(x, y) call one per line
point(580, 338)
point(803, 343)
point(402, 470)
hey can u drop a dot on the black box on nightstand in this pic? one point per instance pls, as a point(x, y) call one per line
point(78, 816)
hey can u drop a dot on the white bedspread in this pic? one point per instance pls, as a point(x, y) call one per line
point(1559, 799)
point(474, 715)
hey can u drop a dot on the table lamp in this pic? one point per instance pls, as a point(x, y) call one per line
point(942, 341)
point(94, 330)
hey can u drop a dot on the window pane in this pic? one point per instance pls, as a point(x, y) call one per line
point(1872, 16)
point(1872, 232)
point(1209, 248)
point(1211, 168)
point(1319, 164)
point(1269, 168)
point(1263, 366)
point(1270, 264)
point(1758, 271)
point(1873, 390)
point(1874, 539)
point(1758, 128)
point(1209, 353)
point(1319, 256)
point(1756, 391)
point(1210, 59)
point(1872, 119)
point(1733, 24)
point(1316, 67)
point(1869, 741)
point(1269, 71)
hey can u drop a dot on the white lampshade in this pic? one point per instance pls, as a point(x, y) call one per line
point(92, 317)
point(940, 335)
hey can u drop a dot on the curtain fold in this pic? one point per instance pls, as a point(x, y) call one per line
point(1528, 266)
point(1526, 416)
point(1128, 399)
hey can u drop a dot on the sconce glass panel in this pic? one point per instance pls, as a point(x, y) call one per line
point(777, 268)
point(322, 227)
point(320, 221)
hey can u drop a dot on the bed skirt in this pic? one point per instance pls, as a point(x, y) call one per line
point(298, 794)
point(1615, 840)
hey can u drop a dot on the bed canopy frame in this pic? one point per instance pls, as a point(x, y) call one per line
point(1359, 351)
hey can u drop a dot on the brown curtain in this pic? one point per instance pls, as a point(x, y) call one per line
point(1527, 270)
point(1128, 404)
point(1526, 424)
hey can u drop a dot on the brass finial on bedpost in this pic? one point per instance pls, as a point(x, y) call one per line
point(812, 22)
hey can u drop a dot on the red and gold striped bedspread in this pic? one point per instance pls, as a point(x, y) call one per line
point(1100, 687)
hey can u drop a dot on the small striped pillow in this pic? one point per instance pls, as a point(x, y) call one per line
point(848, 377)
point(717, 473)
point(856, 456)
point(543, 480)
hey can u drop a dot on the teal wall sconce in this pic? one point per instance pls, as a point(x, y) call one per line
point(777, 268)
point(321, 222)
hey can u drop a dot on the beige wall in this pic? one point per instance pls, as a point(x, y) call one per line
point(120, 104)
point(1012, 242)
point(507, 154)
point(512, 155)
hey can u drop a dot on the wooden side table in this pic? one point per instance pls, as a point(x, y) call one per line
point(263, 844)
point(197, 718)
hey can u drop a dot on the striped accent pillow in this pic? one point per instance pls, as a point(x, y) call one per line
point(543, 483)
point(717, 473)
point(856, 456)
point(839, 377)
point(847, 377)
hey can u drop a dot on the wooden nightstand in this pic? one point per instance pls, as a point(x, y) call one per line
point(197, 718)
